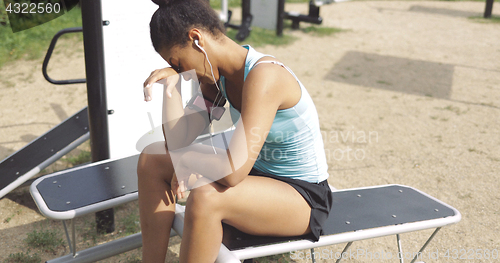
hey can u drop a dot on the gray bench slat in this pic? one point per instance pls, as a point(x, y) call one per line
point(355, 210)
point(90, 185)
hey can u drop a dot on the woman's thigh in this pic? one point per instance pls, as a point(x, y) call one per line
point(259, 206)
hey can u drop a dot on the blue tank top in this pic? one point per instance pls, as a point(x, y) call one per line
point(294, 146)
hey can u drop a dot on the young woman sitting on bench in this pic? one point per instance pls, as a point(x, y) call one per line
point(275, 182)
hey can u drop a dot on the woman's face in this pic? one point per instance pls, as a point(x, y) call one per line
point(187, 58)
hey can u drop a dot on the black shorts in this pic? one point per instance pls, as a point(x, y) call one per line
point(317, 195)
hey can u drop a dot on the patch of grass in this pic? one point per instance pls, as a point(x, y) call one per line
point(7, 220)
point(474, 150)
point(321, 31)
point(495, 159)
point(130, 224)
point(81, 158)
point(261, 37)
point(479, 19)
point(4, 18)
point(384, 82)
point(23, 258)
point(454, 109)
point(46, 240)
point(33, 43)
point(134, 259)
point(89, 233)
point(216, 4)
point(355, 75)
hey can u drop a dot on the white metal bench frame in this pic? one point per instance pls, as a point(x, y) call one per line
point(225, 255)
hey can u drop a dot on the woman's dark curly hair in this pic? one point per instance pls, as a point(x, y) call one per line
point(172, 21)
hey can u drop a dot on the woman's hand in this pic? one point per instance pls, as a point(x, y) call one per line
point(166, 76)
point(182, 184)
point(178, 186)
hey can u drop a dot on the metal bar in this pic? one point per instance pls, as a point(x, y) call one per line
point(313, 257)
point(488, 9)
point(96, 94)
point(400, 249)
point(313, 9)
point(224, 11)
point(105, 250)
point(67, 237)
point(343, 251)
point(246, 20)
point(425, 245)
point(226, 256)
point(281, 17)
point(73, 233)
point(49, 54)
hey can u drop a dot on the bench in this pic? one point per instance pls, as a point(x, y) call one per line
point(357, 214)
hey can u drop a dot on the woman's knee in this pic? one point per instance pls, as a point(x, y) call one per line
point(203, 201)
point(154, 159)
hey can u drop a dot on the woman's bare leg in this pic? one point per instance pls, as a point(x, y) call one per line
point(257, 205)
point(156, 201)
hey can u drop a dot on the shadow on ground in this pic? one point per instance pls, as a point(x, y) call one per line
point(395, 74)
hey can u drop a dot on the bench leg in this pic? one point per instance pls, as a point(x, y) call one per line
point(72, 241)
point(425, 245)
point(73, 235)
point(400, 249)
point(343, 251)
point(70, 244)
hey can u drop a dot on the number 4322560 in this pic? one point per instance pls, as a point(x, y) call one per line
point(33, 8)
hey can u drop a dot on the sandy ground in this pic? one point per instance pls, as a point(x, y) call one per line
point(408, 94)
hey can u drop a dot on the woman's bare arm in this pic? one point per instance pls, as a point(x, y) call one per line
point(180, 125)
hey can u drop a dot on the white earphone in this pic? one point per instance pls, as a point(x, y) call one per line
point(217, 99)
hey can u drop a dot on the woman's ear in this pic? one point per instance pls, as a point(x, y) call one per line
point(196, 35)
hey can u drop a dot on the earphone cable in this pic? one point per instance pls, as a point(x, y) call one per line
point(217, 96)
